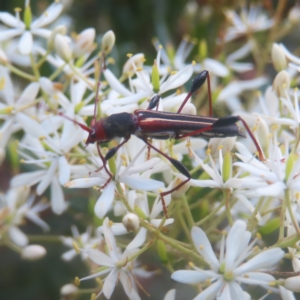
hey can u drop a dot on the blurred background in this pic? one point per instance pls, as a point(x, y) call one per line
point(135, 24)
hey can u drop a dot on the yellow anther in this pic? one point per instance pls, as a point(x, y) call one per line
point(18, 9)
point(129, 55)
point(208, 151)
point(99, 281)
point(258, 235)
point(139, 69)
point(272, 283)
point(160, 47)
point(77, 281)
point(111, 61)
point(193, 62)
point(82, 161)
point(173, 72)
point(2, 83)
point(201, 247)
point(93, 296)
point(191, 264)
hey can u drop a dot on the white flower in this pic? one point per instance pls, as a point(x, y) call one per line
point(273, 171)
point(28, 29)
point(220, 180)
point(84, 241)
point(135, 175)
point(230, 94)
point(13, 111)
point(178, 62)
point(227, 273)
point(15, 207)
point(55, 169)
point(118, 266)
point(124, 99)
point(140, 201)
point(247, 22)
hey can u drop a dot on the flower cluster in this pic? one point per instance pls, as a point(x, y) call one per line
point(133, 143)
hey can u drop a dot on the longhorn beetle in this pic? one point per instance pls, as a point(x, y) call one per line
point(148, 123)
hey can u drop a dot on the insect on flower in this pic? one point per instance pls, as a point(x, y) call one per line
point(152, 124)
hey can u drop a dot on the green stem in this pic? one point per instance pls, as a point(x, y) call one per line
point(173, 243)
point(211, 215)
point(289, 206)
point(20, 73)
point(187, 211)
point(226, 193)
point(181, 220)
point(80, 75)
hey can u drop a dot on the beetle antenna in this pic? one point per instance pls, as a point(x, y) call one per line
point(84, 127)
point(197, 83)
point(102, 67)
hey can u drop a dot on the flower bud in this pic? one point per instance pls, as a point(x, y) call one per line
point(68, 289)
point(227, 166)
point(108, 42)
point(27, 15)
point(155, 78)
point(292, 284)
point(282, 81)
point(84, 42)
point(62, 47)
point(33, 252)
point(278, 58)
point(162, 252)
point(57, 30)
point(131, 222)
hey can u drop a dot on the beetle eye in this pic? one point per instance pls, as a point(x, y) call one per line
point(93, 133)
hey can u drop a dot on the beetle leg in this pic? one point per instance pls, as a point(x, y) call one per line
point(179, 166)
point(104, 166)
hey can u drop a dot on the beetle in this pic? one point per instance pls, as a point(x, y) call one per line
point(152, 124)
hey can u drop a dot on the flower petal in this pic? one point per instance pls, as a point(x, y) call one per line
point(27, 179)
point(58, 203)
point(128, 284)
point(64, 170)
point(138, 240)
point(140, 183)
point(264, 260)
point(190, 276)
point(204, 247)
point(25, 43)
point(49, 15)
point(17, 236)
point(105, 200)
point(100, 258)
point(110, 283)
